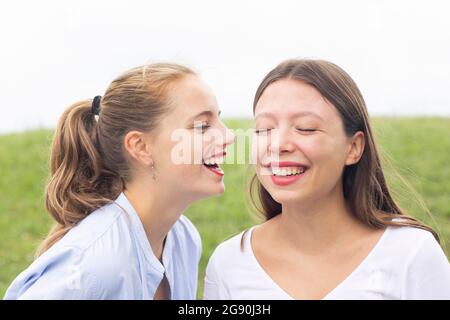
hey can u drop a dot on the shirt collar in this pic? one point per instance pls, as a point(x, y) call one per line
point(141, 236)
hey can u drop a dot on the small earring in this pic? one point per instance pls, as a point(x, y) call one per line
point(153, 174)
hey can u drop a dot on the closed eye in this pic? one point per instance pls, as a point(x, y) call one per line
point(306, 130)
point(202, 127)
point(261, 131)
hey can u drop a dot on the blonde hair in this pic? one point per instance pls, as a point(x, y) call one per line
point(88, 165)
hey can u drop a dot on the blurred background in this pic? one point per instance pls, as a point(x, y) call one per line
point(54, 53)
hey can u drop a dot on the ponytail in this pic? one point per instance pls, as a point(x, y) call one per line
point(79, 182)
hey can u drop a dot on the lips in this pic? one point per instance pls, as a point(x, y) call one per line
point(284, 173)
point(213, 163)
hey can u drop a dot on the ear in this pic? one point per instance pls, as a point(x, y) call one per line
point(137, 146)
point(356, 148)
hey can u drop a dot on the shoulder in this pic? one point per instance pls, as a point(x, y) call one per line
point(424, 267)
point(227, 266)
point(231, 268)
point(49, 268)
point(409, 239)
point(105, 236)
point(97, 225)
point(83, 264)
point(416, 249)
point(419, 243)
point(230, 252)
point(63, 273)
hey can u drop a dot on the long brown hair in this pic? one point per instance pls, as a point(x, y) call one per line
point(364, 185)
point(89, 167)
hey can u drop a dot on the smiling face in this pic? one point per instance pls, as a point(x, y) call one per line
point(300, 143)
point(188, 138)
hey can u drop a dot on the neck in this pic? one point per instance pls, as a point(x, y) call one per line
point(320, 224)
point(157, 209)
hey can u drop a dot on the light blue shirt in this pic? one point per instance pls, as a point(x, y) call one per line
point(108, 256)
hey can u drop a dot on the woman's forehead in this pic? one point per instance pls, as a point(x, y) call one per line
point(294, 99)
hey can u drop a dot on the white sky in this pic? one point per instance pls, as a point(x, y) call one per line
point(54, 53)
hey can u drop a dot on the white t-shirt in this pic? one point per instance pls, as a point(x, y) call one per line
point(406, 263)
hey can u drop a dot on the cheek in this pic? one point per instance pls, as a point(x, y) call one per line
point(328, 160)
point(183, 178)
point(256, 154)
point(175, 160)
point(324, 150)
point(259, 148)
point(188, 173)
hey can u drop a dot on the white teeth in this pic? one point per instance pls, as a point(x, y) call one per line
point(287, 171)
point(213, 160)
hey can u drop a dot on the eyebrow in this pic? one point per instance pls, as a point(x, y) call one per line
point(294, 115)
point(207, 113)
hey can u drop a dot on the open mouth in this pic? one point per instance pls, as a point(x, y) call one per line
point(212, 164)
point(288, 171)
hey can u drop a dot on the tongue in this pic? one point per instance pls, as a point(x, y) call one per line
point(215, 168)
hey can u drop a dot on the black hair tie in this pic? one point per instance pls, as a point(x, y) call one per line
point(96, 105)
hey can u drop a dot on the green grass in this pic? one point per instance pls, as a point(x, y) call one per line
point(419, 149)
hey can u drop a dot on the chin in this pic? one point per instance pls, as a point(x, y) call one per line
point(211, 191)
point(286, 196)
point(286, 199)
point(217, 190)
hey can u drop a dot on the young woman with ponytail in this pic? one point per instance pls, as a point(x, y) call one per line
point(117, 194)
point(332, 229)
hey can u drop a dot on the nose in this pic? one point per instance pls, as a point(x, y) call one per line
point(280, 142)
point(229, 137)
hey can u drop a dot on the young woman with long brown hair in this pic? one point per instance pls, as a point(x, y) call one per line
point(117, 193)
point(332, 229)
